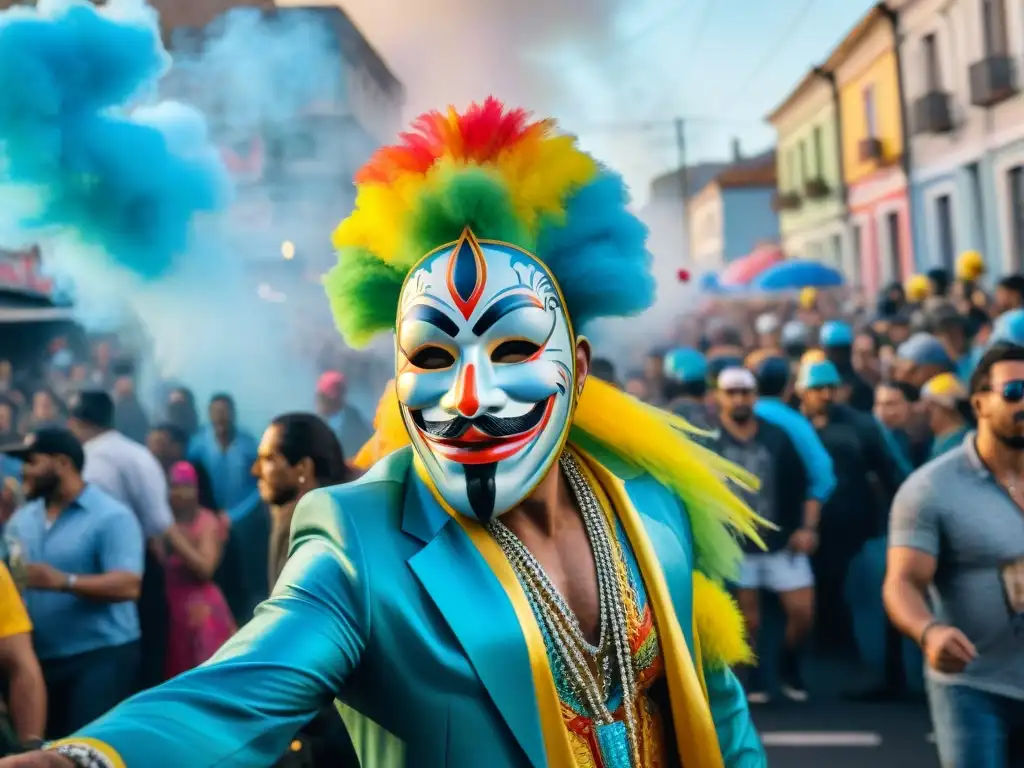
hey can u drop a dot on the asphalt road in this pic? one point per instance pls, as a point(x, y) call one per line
point(835, 734)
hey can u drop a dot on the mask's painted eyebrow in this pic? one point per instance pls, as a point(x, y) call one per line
point(432, 315)
point(502, 307)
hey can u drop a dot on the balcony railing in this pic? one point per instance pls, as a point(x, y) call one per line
point(816, 189)
point(993, 80)
point(870, 150)
point(786, 201)
point(933, 113)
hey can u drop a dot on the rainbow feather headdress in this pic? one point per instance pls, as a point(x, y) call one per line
point(511, 179)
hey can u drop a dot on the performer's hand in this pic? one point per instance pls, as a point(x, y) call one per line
point(948, 649)
point(804, 541)
point(37, 760)
point(225, 521)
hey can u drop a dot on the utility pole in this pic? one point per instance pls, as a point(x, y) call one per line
point(684, 184)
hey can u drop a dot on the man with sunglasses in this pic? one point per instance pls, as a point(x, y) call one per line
point(956, 571)
point(767, 452)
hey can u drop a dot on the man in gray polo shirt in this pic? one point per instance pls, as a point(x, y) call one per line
point(957, 537)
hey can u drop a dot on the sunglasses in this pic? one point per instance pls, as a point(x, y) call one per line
point(1013, 391)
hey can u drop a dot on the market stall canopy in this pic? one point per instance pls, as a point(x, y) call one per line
point(796, 274)
point(746, 268)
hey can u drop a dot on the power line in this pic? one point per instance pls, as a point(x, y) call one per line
point(780, 45)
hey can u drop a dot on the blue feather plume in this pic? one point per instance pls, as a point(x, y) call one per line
point(598, 253)
point(126, 183)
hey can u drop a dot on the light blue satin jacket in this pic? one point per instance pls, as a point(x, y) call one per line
point(386, 602)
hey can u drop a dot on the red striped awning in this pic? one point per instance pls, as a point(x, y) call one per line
point(746, 268)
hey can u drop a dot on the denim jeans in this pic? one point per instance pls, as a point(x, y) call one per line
point(975, 729)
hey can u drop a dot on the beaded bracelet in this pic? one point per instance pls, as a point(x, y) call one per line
point(84, 756)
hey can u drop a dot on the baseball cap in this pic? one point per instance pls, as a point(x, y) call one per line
point(924, 349)
point(93, 406)
point(330, 383)
point(49, 441)
point(736, 378)
point(836, 333)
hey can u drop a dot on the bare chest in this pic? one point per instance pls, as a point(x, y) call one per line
point(569, 564)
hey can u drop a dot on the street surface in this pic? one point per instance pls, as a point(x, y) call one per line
point(835, 734)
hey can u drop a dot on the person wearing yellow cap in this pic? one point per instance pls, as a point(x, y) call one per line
point(918, 289)
point(949, 414)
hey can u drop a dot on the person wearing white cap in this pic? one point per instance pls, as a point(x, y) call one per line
point(767, 452)
point(949, 412)
point(768, 331)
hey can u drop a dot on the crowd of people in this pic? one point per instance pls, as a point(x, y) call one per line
point(139, 541)
point(138, 547)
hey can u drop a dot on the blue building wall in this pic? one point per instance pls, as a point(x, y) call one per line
point(979, 205)
point(996, 164)
point(748, 219)
point(969, 233)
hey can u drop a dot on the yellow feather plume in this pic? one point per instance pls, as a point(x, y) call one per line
point(720, 629)
point(389, 431)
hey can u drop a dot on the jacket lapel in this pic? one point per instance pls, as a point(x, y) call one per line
point(654, 507)
point(475, 603)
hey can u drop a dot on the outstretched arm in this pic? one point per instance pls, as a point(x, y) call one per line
point(244, 706)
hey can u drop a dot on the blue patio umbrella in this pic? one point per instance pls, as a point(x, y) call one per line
point(709, 282)
point(796, 274)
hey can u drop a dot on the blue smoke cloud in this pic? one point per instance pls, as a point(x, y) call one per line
point(76, 162)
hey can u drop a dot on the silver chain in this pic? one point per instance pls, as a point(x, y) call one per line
point(563, 627)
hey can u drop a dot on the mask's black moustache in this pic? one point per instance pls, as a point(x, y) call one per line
point(492, 426)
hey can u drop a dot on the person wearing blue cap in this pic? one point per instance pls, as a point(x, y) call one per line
point(774, 391)
point(855, 513)
point(686, 386)
point(836, 339)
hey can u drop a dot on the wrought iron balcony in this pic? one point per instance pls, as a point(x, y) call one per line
point(786, 201)
point(933, 113)
point(993, 80)
point(871, 150)
point(816, 188)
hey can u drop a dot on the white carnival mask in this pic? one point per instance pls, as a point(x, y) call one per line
point(485, 377)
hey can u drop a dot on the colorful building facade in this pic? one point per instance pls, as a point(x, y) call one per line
point(962, 61)
point(865, 66)
point(811, 193)
point(732, 214)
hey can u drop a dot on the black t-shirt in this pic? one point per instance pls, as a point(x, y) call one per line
point(771, 456)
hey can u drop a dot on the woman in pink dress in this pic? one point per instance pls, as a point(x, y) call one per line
point(200, 620)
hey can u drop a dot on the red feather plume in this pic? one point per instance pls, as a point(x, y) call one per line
point(479, 135)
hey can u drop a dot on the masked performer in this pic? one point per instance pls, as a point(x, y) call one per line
point(530, 582)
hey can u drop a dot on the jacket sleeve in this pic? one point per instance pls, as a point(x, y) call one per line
point(243, 707)
point(741, 746)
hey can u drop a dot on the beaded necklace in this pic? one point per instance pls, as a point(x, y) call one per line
point(590, 682)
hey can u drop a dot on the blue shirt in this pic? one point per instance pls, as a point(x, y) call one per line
point(96, 534)
point(230, 470)
point(899, 447)
point(821, 477)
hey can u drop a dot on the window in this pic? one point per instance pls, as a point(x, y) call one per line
point(870, 119)
point(857, 237)
point(804, 173)
point(836, 250)
point(994, 26)
point(892, 233)
point(819, 153)
point(794, 181)
point(944, 224)
point(930, 50)
point(1015, 178)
